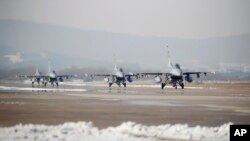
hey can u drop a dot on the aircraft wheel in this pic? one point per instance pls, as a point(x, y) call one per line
point(110, 84)
point(182, 85)
point(163, 85)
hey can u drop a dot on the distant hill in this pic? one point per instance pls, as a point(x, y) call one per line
point(70, 47)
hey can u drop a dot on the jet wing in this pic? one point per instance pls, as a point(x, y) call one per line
point(153, 73)
point(64, 76)
point(195, 73)
point(31, 76)
point(104, 75)
point(132, 75)
point(100, 75)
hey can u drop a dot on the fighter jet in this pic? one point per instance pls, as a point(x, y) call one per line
point(118, 76)
point(34, 78)
point(50, 77)
point(174, 77)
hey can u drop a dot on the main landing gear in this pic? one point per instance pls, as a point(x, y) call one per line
point(182, 85)
point(174, 85)
point(163, 85)
point(119, 84)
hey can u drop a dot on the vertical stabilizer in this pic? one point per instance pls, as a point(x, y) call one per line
point(37, 72)
point(115, 68)
point(49, 66)
point(115, 60)
point(170, 65)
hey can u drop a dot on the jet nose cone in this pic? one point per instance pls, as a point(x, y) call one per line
point(52, 75)
point(176, 72)
point(119, 74)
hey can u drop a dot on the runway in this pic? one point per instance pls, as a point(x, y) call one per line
point(147, 105)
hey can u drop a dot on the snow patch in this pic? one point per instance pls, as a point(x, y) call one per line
point(12, 102)
point(110, 99)
point(126, 131)
point(155, 103)
point(99, 84)
point(5, 88)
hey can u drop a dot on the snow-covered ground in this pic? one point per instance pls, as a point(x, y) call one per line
point(127, 131)
point(62, 89)
point(6, 88)
point(103, 84)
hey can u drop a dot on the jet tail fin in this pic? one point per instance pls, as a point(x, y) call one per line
point(37, 72)
point(115, 60)
point(170, 65)
point(115, 68)
point(49, 66)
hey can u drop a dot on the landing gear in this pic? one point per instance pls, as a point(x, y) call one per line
point(182, 85)
point(33, 83)
point(165, 82)
point(124, 84)
point(56, 84)
point(175, 85)
point(110, 84)
point(45, 84)
point(163, 85)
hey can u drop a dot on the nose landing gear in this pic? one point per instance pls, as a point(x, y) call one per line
point(110, 84)
point(163, 85)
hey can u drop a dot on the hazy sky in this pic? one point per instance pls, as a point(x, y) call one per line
point(70, 33)
point(165, 18)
